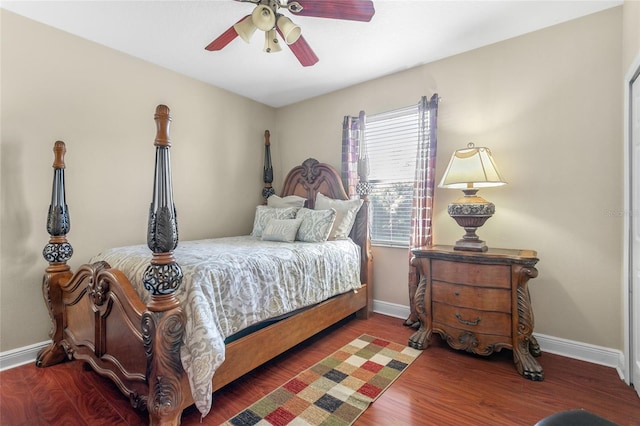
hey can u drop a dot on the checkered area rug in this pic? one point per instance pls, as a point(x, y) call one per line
point(334, 392)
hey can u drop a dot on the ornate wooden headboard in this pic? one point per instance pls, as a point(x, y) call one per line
point(312, 177)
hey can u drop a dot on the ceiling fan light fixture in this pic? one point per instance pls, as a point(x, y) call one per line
point(290, 31)
point(271, 44)
point(245, 29)
point(263, 17)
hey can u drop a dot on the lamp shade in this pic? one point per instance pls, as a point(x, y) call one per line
point(263, 17)
point(471, 167)
point(290, 31)
point(271, 44)
point(245, 28)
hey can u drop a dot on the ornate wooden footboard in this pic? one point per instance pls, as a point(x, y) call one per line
point(99, 318)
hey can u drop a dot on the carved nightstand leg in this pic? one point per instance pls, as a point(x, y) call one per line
point(525, 363)
point(526, 346)
point(534, 347)
point(421, 338)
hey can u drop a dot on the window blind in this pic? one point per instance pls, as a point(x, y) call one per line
point(392, 143)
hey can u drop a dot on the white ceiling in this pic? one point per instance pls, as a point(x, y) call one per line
point(402, 34)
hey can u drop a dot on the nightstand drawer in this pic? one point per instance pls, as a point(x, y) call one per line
point(486, 299)
point(471, 273)
point(497, 323)
point(478, 343)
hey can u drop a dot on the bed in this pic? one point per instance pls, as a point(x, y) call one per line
point(134, 320)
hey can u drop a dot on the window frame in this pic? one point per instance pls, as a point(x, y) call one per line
point(382, 146)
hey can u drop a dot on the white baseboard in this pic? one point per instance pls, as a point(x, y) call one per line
point(608, 357)
point(391, 309)
point(21, 356)
point(613, 358)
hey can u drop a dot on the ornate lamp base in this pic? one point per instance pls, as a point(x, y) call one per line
point(471, 212)
point(471, 244)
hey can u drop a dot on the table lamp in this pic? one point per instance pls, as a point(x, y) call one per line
point(470, 169)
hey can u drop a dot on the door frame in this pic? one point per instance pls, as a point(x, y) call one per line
point(632, 74)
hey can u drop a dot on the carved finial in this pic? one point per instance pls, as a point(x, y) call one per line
point(164, 275)
point(59, 150)
point(58, 251)
point(163, 121)
point(267, 175)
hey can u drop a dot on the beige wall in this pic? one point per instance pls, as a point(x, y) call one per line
point(549, 105)
point(630, 33)
point(101, 103)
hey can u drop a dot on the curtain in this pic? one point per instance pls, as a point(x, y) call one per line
point(352, 133)
point(423, 191)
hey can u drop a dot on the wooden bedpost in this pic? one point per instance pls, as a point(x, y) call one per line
point(267, 175)
point(164, 321)
point(57, 252)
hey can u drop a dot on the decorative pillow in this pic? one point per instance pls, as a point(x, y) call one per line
point(346, 211)
point(264, 214)
point(316, 225)
point(289, 201)
point(284, 230)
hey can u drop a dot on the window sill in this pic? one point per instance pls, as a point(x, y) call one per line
point(390, 245)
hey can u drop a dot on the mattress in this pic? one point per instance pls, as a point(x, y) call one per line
point(234, 283)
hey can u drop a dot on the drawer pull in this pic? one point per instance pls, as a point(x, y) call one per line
point(465, 322)
point(457, 293)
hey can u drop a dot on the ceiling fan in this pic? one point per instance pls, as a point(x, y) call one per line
point(267, 18)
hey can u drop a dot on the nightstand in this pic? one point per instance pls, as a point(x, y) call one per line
point(478, 302)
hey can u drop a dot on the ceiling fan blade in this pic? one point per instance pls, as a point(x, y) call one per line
point(352, 10)
point(226, 37)
point(303, 52)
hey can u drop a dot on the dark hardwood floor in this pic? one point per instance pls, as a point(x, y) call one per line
point(442, 387)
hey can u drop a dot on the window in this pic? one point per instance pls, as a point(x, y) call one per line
point(392, 143)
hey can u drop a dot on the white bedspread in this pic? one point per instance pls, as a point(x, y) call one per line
point(235, 282)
